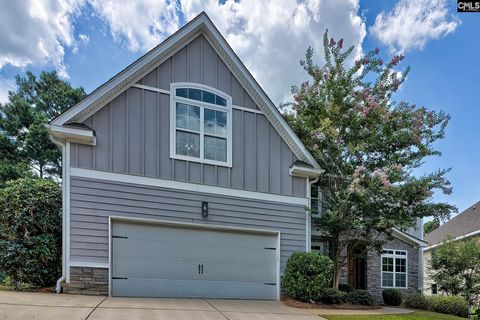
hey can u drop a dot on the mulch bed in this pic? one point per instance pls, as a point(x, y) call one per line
point(305, 305)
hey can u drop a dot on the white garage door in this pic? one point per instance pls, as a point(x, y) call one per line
point(169, 261)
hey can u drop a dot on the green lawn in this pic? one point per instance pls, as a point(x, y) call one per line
point(418, 315)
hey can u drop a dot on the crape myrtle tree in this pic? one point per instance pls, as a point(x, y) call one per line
point(369, 145)
point(25, 146)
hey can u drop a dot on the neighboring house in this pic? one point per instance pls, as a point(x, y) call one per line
point(182, 179)
point(465, 225)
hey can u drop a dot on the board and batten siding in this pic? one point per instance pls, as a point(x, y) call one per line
point(133, 132)
point(92, 201)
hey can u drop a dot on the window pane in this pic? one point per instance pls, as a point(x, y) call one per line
point(400, 265)
point(215, 122)
point(401, 253)
point(387, 252)
point(387, 279)
point(195, 94)
point(188, 144)
point(400, 280)
point(215, 149)
point(220, 101)
point(182, 92)
point(188, 117)
point(387, 264)
point(208, 97)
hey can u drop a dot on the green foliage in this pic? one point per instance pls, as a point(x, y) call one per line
point(416, 301)
point(454, 305)
point(429, 226)
point(392, 297)
point(369, 146)
point(25, 146)
point(332, 296)
point(306, 275)
point(345, 287)
point(456, 268)
point(360, 297)
point(30, 231)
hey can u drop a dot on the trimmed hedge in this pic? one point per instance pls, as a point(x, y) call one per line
point(307, 275)
point(360, 297)
point(392, 297)
point(416, 301)
point(454, 305)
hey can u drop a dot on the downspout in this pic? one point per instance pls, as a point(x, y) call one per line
point(62, 146)
point(308, 213)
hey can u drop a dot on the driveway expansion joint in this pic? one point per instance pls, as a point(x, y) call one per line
point(223, 315)
point(98, 305)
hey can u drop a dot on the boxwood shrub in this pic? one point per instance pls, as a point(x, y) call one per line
point(392, 297)
point(332, 296)
point(360, 297)
point(307, 275)
point(416, 301)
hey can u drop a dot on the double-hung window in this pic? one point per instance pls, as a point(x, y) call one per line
point(201, 124)
point(394, 269)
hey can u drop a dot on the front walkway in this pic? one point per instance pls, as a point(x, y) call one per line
point(40, 306)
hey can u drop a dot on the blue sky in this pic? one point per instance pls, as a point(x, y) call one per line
point(89, 41)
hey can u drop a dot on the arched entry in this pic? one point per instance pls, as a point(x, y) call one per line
point(357, 267)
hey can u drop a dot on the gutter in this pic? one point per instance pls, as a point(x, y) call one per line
point(62, 146)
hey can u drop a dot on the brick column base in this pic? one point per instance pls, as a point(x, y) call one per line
point(88, 281)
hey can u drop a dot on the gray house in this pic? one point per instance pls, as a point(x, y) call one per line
point(182, 179)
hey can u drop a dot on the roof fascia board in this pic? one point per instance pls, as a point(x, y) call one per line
point(123, 80)
point(399, 234)
point(465, 236)
point(258, 94)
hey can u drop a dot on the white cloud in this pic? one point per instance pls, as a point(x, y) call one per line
point(272, 36)
point(269, 36)
point(36, 32)
point(142, 24)
point(412, 23)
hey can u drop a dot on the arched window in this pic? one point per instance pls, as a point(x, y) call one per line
point(200, 124)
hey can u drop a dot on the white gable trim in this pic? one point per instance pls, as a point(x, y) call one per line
point(200, 25)
point(401, 235)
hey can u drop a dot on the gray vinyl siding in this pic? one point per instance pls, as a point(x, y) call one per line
point(133, 132)
point(93, 201)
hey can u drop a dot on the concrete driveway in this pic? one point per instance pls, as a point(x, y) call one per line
point(39, 306)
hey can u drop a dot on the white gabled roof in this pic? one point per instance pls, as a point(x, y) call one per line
point(137, 70)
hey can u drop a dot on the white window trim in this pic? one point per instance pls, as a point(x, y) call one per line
point(202, 105)
point(394, 272)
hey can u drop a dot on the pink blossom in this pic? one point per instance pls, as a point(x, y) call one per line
point(340, 43)
point(380, 62)
point(332, 42)
point(377, 50)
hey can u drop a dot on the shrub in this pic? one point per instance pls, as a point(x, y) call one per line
point(345, 287)
point(332, 296)
point(360, 297)
point(454, 305)
point(392, 297)
point(31, 231)
point(306, 275)
point(416, 301)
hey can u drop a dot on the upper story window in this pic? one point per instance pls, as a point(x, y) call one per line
point(394, 269)
point(201, 124)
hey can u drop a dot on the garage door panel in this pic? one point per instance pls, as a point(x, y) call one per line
point(140, 287)
point(148, 268)
point(193, 251)
point(163, 261)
